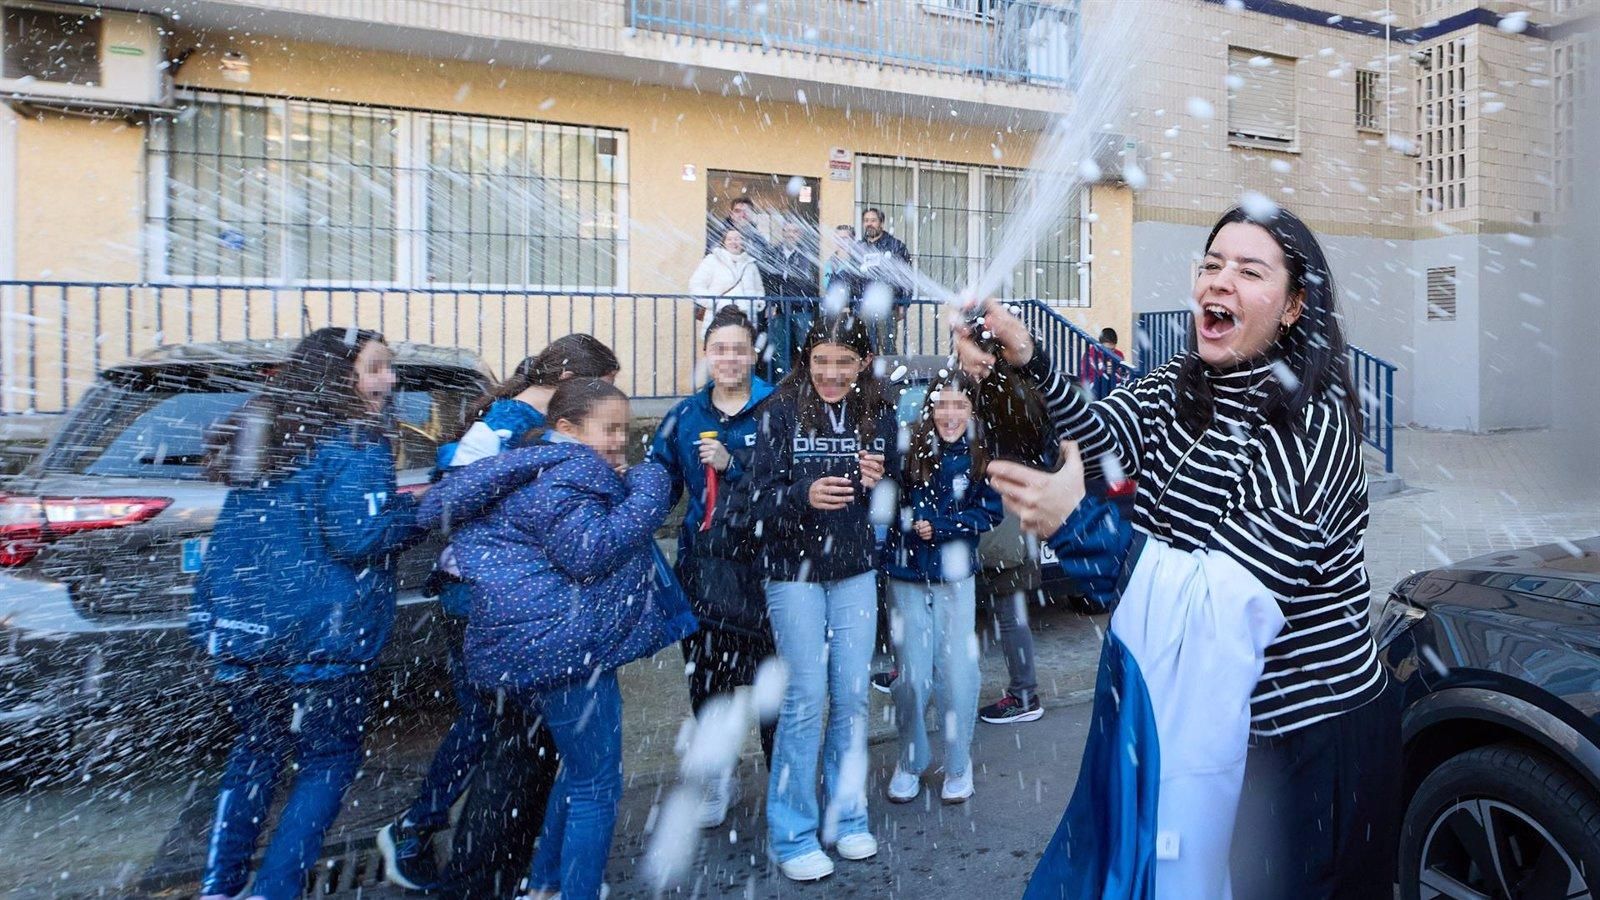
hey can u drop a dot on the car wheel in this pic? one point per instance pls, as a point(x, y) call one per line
point(1501, 822)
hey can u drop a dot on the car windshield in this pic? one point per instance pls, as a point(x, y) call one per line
point(127, 432)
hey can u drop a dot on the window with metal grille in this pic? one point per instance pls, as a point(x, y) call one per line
point(1369, 102)
point(1570, 68)
point(1442, 294)
point(256, 189)
point(51, 46)
point(952, 218)
point(1261, 99)
point(1442, 96)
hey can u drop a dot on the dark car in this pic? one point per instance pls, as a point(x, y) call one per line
point(1497, 661)
point(101, 538)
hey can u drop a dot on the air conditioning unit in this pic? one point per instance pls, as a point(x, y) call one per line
point(82, 57)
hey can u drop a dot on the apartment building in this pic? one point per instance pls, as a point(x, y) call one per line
point(520, 154)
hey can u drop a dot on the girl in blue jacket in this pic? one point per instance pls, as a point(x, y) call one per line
point(930, 559)
point(511, 417)
point(297, 597)
point(725, 588)
point(827, 437)
point(567, 586)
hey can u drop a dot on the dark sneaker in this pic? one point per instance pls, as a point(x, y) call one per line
point(1012, 709)
point(408, 857)
point(884, 681)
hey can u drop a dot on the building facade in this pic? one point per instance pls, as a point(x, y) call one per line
point(464, 170)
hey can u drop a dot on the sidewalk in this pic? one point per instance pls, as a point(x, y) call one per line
point(1471, 494)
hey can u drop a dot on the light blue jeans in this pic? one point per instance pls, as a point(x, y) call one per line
point(933, 627)
point(825, 634)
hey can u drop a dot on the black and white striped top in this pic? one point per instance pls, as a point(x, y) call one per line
point(1289, 505)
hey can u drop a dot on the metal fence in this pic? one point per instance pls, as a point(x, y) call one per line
point(56, 337)
point(1070, 347)
point(1016, 41)
point(1164, 335)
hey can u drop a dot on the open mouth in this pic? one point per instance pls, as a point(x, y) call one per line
point(1216, 322)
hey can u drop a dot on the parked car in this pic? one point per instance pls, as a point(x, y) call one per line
point(102, 535)
point(1497, 661)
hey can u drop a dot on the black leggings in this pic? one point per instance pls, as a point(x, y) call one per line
point(1319, 816)
point(720, 661)
point(492, 848)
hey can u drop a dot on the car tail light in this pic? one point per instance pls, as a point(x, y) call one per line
point(1395, 615)
point(21, 529)
point(28, 523)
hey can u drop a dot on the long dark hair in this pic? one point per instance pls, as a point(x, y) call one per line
point(922, 457)
point(863, 404)
point(571, 356)
point(308, 398)
point(1313, 347)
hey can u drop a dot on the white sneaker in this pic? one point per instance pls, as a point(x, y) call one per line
point(857, 846)
point(904, 786)
point(720, 793)
point(957, 788)
point(813, 866)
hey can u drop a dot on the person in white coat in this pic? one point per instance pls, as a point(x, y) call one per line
point(727, 275)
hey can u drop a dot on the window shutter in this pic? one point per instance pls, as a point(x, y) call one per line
point(1442, 294)
point(1261, 103)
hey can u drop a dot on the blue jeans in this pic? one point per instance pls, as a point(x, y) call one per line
point(825, 634)
point(933, 627)
point(575, 843)
point(462, 747)
point(321, 723)
point(785, 336)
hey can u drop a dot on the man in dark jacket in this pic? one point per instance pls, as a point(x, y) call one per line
point(883, 259)
point(792, 279)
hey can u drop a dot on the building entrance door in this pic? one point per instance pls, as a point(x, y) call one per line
point(777, 198)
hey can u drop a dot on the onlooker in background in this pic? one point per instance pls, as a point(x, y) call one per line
point(1008, 582)
point(727, 276)
point(844, 263)
point(741, 218)
point(1098, 370)
point(792, 279)
point(884, 260)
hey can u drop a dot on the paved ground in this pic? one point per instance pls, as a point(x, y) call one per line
point(1466, 495)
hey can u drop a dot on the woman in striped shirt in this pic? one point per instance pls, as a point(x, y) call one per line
point(1248, 445)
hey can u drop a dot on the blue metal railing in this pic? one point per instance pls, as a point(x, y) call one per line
point(1018, 40)
point(1070, 348)
point(1164, 335)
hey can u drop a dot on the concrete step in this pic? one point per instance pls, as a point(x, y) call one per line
point(1381, 484)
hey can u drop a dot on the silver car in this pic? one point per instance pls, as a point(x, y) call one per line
point(101, 538)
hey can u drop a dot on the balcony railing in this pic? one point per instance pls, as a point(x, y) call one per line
point(1020, 41)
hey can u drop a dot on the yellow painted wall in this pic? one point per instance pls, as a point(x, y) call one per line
point(80, 198)
point(1111, 270)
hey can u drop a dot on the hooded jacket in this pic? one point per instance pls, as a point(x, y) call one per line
point(566, 578)
point(799, 542)
point(959, 511)
point(299, 576)
point(676, 447)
